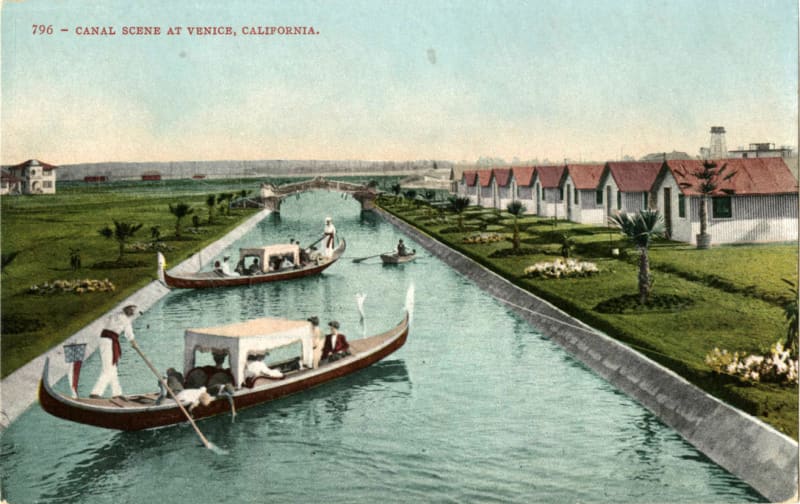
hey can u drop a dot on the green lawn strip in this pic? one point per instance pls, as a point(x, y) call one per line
point(42, 230)
point(678, 339)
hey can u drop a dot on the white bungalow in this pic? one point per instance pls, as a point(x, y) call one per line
point(486, 196)
point(31, 177)
point(627, 185)
point(469, 181)
point(758, 204)
point(522, 187)
point(547, 184)
point(584, 198)
point(501, 186)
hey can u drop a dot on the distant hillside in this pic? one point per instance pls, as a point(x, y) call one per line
point(244, 169)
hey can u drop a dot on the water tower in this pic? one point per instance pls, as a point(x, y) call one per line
point(718, 149)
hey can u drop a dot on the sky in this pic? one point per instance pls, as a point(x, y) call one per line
point(395, 80)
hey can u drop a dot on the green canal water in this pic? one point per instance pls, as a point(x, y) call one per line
point(476, 407)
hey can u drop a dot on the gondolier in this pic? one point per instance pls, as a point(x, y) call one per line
point(116, 325)
point(330, 235)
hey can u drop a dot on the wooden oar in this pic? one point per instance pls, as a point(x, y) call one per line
point(322, 238)
point(171, 393)
point(359, 259)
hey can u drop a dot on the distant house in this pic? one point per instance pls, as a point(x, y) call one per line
point(151, 176)
point(522, 187)
point(31, 177)
point(626, 185)
point(550, 193)
point(761, 208)
point(485, 191)
point(9, 184)
point(471, 189)
point(584, 197)
point(760, 150)
point(501, 185)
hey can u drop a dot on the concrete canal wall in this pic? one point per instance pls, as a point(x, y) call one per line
point(19, 390)
point(750, 449)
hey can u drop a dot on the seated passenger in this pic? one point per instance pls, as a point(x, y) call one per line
point(174, 381)
point(254, 268)
point(194, 397)
point(401, 248)
point(226, 268)
point(336, 345)
point(255, 367)
point(305, 256)
point(240, 267)
point(217, 268)
point(287, 263)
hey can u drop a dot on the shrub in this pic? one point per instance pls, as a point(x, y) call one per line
point(479, 238)
point(562, 268)
point(76, 286)
point(775, 367)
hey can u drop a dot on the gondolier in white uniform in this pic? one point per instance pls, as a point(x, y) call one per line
point(116, 325)
point(330, 235)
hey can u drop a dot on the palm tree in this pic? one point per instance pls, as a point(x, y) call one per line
point(516, 208)
point(180, 211)
point(211, 200)
point(708, 180)
point(791, 312)
point(121, 233)
point(458, 204)
point(396, 189)
point(641, 229)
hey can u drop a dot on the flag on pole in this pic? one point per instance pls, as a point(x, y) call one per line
point(74, 353)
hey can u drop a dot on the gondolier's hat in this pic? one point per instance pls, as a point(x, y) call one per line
point(334, 324)
point(313, 320)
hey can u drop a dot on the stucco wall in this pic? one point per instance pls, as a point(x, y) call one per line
point(750, 449)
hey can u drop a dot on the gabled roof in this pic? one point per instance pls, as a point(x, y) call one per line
point(523, 175)
point(33, 162)
point(585, 176)
point(9, 177)
point(633, 176)
point(485, 177)
point(550, 176)
point(470, 177)
point(502, 176)
point(751, 176)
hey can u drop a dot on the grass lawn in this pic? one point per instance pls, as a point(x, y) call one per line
point(736, 291)
point(43, 229)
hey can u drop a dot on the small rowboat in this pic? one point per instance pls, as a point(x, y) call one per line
point(264, 273)
point(138, 412)
point(397, 259)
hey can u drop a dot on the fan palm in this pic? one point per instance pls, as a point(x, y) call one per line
point(641, 229)
point(458, 204)
point(180, 211)
point(515, 208)
point(121, 233)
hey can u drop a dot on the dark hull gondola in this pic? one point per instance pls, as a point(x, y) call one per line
point(397, 259)
point(138, 412)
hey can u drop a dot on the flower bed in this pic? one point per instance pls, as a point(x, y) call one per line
point(480, 238)
point(776, 367)
point(76, 286)
point(561, 268)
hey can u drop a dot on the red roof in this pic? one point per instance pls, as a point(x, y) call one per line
point(485, 177)
point(470, 177)
point(9, 177)
point(585, 176)
point(752, 175)
point(523, 175)
point(550, 176)
point(634, 176)
point(502, 176)
point(33, 162)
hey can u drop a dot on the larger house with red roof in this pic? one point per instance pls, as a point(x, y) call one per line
point(758, 204)
point(30, 177)
point(626, 185)
point(547, 184)
point(584, 200)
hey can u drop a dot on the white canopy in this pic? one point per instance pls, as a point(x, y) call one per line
point(265, 253)
point(253, 337)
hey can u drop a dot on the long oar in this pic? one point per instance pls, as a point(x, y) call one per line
point(359, 259)
point(171, 393)
point(322, 238)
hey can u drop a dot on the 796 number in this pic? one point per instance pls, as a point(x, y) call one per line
point(40, 29)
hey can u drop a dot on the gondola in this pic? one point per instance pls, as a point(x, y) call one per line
point(143, 411)
point(299, 269)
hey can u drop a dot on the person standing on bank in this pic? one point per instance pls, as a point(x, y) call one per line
point(110, 350)
point(330, 235)
point(336, 345)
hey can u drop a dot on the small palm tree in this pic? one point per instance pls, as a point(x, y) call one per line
point(396, 189)
point(180, 211)
point(641, 229)
point(121, 233)
point(458, 204)
point(516, 208)
point(211, 200)
point(791, 312)
point(708, 181)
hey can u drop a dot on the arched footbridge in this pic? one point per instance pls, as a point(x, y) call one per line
point(272, 195)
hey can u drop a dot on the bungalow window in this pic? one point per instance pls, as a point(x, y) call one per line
point(681, 206)
point(619, 200)
point(575, 196)
point(598, 197)
point(560, 194)
point(542, 193)
point(721, 207)
point(645, 201)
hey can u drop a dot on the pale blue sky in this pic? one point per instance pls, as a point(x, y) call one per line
point(582, 79)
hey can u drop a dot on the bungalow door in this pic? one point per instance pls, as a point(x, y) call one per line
point(668, 211)
point(608, 201)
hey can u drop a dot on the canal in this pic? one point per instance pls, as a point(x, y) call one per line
point(476, 407)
